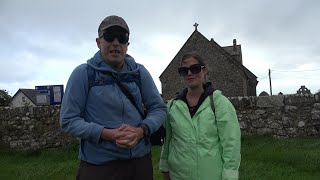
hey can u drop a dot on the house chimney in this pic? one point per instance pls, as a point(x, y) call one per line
point(234, 45)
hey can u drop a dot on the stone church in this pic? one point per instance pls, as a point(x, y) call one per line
point(226, 70)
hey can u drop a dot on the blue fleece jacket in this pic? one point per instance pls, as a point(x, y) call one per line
point(84, 112)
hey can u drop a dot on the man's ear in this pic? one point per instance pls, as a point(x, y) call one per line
point(98, 42)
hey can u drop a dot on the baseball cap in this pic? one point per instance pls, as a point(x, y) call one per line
point(112, 21)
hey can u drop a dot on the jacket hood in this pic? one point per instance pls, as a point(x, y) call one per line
point(97, 62)
point(208, 89)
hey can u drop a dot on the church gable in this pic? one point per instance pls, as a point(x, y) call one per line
point(226, 74)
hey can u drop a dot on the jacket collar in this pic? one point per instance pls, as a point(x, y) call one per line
point(208, 90)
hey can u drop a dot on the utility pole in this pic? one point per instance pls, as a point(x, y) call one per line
point(270, 82)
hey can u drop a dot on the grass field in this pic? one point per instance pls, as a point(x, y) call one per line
point(262, 158)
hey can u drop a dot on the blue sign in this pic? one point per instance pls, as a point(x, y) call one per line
point(49, 95)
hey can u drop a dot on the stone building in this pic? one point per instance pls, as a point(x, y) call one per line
point(23, 98)
point(225, 67)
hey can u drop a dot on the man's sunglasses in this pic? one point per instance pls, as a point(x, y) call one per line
point(122, 37)
point(194, 69)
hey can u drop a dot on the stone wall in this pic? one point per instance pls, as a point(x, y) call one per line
point(279, 116)
point(30, 128)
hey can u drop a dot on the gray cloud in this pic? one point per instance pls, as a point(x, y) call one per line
point(37, 36)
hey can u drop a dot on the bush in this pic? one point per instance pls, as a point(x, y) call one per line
point(5, 98)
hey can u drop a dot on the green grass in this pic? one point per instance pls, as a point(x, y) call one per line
point(262, 158)
point(48, 164)
point(268, 158)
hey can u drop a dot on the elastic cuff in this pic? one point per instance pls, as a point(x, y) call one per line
point(146, 130)
point(96, 136)
point(163, 165)
point(146, 133)
point(230, 174)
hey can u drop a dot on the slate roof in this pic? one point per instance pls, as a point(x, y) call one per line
point(224, 50)
point(30, 93)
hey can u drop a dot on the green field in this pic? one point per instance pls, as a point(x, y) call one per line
point(262, 158)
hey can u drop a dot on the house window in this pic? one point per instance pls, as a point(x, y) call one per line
point(23, 99)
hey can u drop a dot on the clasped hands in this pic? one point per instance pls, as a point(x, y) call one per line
point(126, 136)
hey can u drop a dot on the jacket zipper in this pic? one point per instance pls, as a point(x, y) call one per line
point(123, 121)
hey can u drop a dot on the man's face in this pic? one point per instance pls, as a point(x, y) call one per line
point(113, 46)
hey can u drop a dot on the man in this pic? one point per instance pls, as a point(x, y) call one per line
point(114, 135)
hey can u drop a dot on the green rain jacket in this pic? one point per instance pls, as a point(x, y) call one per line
point(202, 147)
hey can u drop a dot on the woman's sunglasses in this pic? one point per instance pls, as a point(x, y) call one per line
point(194, 69)
point(122, 37)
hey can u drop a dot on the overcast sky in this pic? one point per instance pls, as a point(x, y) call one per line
point(41, 42)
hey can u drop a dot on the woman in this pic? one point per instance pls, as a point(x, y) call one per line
point(201, 142)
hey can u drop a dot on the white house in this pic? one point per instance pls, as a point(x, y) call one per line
point(24, 97)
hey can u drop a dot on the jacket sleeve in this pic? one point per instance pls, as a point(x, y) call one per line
point(73, 105)
point(163, 164)
point(230, 137)
point(153, 102)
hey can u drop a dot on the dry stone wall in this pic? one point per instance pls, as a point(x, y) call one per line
point(31, 128)
point(279, 116)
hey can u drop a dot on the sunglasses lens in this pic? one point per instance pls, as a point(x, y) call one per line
point(183, 71)
point(122, 38)
point(195, 69)
point(108, 37)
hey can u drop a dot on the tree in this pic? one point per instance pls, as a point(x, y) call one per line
point(5, 98)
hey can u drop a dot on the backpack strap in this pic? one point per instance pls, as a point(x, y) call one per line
point(91, 80)
point(214, 111)
point(91, 76)
point(126, 92)
point(212, 104)
point(171, 103)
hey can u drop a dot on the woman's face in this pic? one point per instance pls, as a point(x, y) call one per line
point(196, 76)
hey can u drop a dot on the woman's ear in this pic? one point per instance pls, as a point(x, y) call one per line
point(205, 70)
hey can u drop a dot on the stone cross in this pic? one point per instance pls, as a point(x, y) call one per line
point(196, 25)
point(303, 90)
